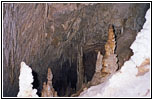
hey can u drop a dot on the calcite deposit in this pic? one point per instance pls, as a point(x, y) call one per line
point(25, 82)
point(109, 61)
point(48, 90)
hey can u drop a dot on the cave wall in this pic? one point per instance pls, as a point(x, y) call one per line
point(49, 35)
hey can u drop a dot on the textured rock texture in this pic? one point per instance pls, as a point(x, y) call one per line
point(50, 35)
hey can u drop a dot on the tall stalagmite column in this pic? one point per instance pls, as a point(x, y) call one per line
point(109, 62)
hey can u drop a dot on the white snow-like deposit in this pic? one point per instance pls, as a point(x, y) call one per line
point(25, 82)
point(125, 83)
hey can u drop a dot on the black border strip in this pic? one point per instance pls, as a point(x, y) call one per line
point(151, 49)
point(76, 2)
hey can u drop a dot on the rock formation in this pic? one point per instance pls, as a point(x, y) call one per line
point(134, 77)
point(110, 44)
point(109, 61)
point(25, 82)
point(104, 65)
point(108, 64)
point(99, 62)
point(48, 34)
point(48, 90)
point(97, 75)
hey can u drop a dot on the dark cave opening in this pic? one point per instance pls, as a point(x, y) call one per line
point(65, 78)
point(65, 74)
point(89, 62)
point(36, 83)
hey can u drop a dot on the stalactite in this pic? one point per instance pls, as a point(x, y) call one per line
point(80, 69)
point(48, 90)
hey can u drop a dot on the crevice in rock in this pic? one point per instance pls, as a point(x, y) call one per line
point(89, 62)
point(65, 78)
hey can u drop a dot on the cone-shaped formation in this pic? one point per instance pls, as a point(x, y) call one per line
point(110, 45)
point(99, 62)
point(25, 82)
point(110, 60)
point(49, 76)
point(48, 90)
point(97, 76)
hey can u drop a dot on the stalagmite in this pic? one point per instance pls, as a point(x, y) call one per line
point(25, 82)
point(48, 90)
point(104, 65)
point(110, 45)
point(109, 61)
point(43, 92)
point(97, 76)
point(99, 62)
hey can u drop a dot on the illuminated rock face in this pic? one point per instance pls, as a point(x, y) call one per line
point(25, 82)
point(133, 80)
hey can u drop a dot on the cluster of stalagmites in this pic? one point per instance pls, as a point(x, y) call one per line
point(105, 65)
point(26, 80)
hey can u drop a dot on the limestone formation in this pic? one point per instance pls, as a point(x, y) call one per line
point(47, 34)
point(97, 76)
point(110, 64)
point(110, 45)
point(48, 90)
point(109, 61)
point(25, 82)
point(99, 62)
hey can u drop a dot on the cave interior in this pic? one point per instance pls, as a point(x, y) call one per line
point(60, 36)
